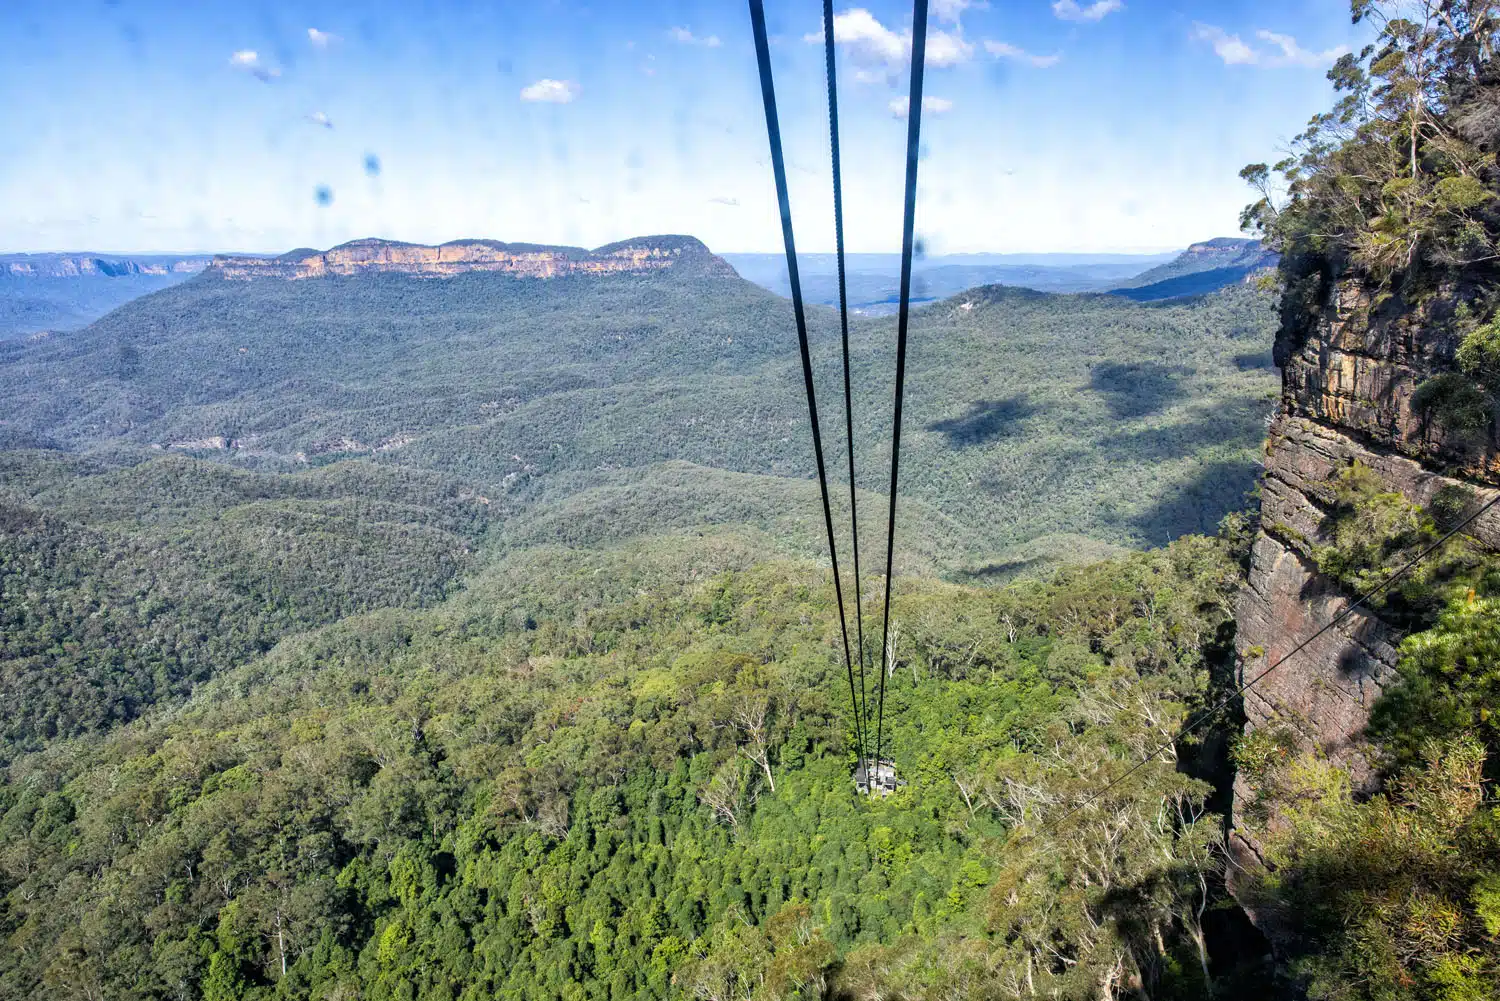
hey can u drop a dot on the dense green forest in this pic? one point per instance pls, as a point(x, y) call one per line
point(123, 586)
point(1091, 422)
point(626, 773)
point(384, 638)
point(484, 662)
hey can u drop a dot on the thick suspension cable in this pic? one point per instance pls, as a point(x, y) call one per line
point(1207, 714)
point(908, 229)
point(838, 235)
point(778, 168)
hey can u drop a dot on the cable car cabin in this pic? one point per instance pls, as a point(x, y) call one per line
point(886, 781)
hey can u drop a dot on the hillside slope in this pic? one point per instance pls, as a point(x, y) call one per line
point(1053, 410)
point(124, 586)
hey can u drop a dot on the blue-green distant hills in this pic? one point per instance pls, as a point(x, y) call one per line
point(873, 280)
point(66, 291)
point(1203, 267)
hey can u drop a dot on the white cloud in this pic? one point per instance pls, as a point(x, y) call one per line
point(1227, 47)
point(930, 106)
point(878, 53)
point(686, 37)
point(725, 200)
point(1293, 54)
point(321, 39)
point(1004, 50)
point(1071, 10)
point(867, 40)
point(944, 49)
point(1235, 52)
point(320, 118)
point(249, 61)
point(551, 91)
point(949, 11)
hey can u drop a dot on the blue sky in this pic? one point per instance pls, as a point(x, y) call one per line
point(1055, 125)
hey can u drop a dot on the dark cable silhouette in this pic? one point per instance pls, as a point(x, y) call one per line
point(778, 168)
point(913, 147)
point(838, 233)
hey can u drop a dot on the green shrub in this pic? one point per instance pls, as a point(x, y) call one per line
point(1261, 751)
point(1449, 683)
point(1374, 532)
point(1455, 404)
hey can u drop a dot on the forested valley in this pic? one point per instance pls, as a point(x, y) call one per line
point(390, 637)
point(494, 653)
point(304, 719)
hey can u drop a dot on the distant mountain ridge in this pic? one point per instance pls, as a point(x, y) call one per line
point(41, 292)
point(873, 280)
point(90, 263)
point(873, 283)
point(1222, 261)
point(456, 257)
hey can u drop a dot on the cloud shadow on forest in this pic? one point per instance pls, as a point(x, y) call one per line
point(1254, 360)
point(1197, 504)
point(1000, 572)
point(1239, 421)
point(1137, 389)
point(985, 421)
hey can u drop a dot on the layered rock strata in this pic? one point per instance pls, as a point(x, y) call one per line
point(464, 256)
point(1351, 363)
point(90, 265)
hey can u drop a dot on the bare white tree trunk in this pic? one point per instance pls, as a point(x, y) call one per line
point(281, 941)
point(751, 718)
point(722, 794)
point(968, 800)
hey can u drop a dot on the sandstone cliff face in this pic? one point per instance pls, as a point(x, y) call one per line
point(463, 256)
point(91, 265)
point(1350, 366)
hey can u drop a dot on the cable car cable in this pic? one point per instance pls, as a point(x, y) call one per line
point(838, 233)
point(913, 149)
point(778, 168)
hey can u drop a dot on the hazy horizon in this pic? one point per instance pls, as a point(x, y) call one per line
point(1048, 127)
point(801, 255)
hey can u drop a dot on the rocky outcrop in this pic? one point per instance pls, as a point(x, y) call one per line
point(96, 265)
point(1229, 257)
point(1355, 361)
point(458, 257)
point(1351, 364)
